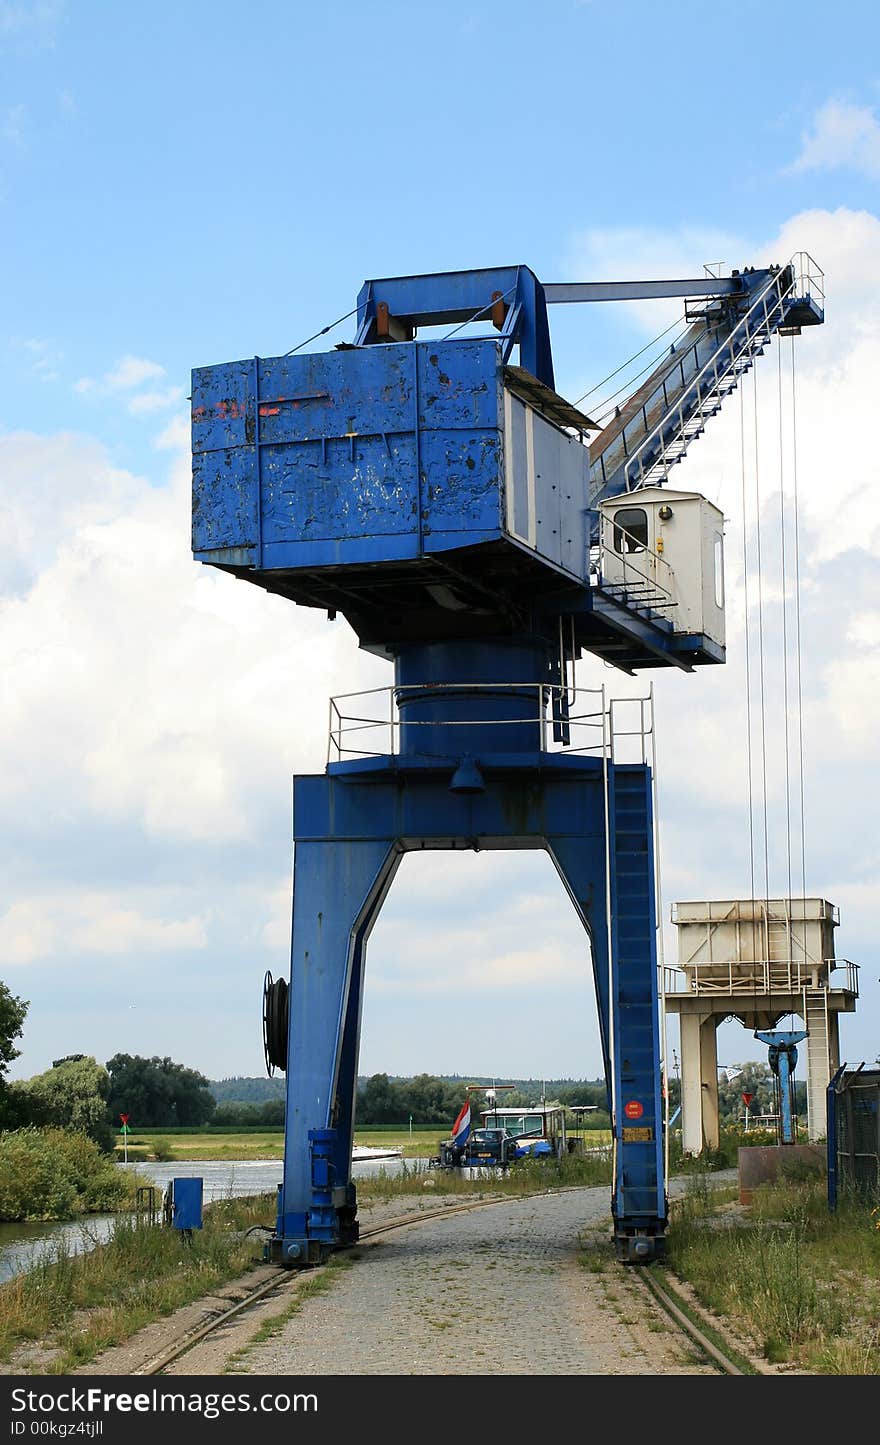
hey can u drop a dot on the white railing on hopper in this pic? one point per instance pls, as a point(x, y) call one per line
point(762, 977)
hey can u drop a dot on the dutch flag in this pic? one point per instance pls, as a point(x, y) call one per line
point(462, 1127)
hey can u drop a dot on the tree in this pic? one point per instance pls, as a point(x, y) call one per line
point(71, 1095)
point(755, 1079)
point(158, 1093)
point(12, 1016)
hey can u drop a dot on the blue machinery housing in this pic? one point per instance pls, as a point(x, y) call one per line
point(446, 502)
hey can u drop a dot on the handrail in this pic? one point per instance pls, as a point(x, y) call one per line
point(760, 977)
point(587, 717)
point(601, 549)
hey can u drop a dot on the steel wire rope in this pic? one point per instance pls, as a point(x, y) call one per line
point(762, 699)
point(797, 608)
point(606, 403)
point(749, 762)
point(762, 669)
point(628, 362)
point(322, 332)
point(785, 719)
point(469, 321)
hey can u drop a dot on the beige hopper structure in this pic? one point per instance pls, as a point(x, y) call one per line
point(756, 961)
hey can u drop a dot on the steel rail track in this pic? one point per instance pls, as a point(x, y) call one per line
point(651, 1286)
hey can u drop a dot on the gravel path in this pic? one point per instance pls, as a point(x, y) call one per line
point(503, 1290)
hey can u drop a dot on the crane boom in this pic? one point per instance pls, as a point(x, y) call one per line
point(652, 431)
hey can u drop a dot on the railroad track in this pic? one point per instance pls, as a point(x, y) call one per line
point(656, 1292)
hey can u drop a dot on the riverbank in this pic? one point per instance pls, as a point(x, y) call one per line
point(72, 1306)
point(204, 1145)
point(58, 1174)
point(796, 1286)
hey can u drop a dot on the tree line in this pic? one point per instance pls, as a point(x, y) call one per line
point(80, 1093)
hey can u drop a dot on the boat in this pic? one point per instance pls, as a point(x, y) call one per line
point(538, 1129)
point(505, 1135)
point(362, 1152)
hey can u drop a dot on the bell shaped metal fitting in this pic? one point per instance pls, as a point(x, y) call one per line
point(467, 777)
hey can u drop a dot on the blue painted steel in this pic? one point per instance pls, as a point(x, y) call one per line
point(435, 496)
point(351, 831)
point(410, 464)
point(186, 1196)
point(783, 1061)
point(453, 298)
point(637, 1089)
point(831, 1135)
point(449, 708)
point(322, 1223)
point(318, 460)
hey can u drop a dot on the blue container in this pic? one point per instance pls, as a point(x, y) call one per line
point(378, 456)
point(186, 1196)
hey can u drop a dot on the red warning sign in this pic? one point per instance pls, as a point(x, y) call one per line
point(747, 1099)
point(633, 1109)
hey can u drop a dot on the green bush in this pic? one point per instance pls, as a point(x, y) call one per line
point(56, 1174)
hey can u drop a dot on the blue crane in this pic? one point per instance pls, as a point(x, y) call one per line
point(481, 533)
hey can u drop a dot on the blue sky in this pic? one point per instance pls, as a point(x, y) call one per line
point(181, 185)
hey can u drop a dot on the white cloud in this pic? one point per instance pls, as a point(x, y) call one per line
point(175, 436)
point(126, 376)
point(29, 23)
point(14, 125)
point(149, 401)
point(147, 689)
point(90, 923)
point(843, 137)
point(703, 777)
point(154, 710)
point(131, 371)
point(41, 354)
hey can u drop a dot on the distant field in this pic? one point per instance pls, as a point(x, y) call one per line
point(202, 1146)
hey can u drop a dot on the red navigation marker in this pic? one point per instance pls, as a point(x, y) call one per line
point(124, 1118)
point(633, 1109)
point(747, 1099)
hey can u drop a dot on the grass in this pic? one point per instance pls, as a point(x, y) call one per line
point(201, 1146)
point(802, 1284)
point(78, 1305)
point(318, 1284)
point(526, 1177)
point(165, 1145)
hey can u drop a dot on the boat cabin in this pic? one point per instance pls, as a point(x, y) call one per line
point(535, 1127)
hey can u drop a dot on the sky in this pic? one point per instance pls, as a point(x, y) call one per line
point(188, 184)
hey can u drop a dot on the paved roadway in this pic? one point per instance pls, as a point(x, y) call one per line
point(525, 1287)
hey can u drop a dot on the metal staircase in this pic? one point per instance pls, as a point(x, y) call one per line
point(654, 429)
point(638, 1123)
point(818, 1060)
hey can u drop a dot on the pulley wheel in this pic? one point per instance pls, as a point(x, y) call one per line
point(275, 1012)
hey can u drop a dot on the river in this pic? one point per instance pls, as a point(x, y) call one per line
point(23, 1244)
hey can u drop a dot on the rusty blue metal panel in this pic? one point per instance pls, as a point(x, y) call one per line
point(224, 501)
point(370, 454)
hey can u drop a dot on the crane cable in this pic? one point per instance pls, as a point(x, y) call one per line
point(785, 660)
point(792, 667)
point(762, 673)
point(748, 661)
point(624, 364)
point(797, 611)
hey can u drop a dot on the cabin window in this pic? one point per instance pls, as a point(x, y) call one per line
point(630, 529)
point(719, 570)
